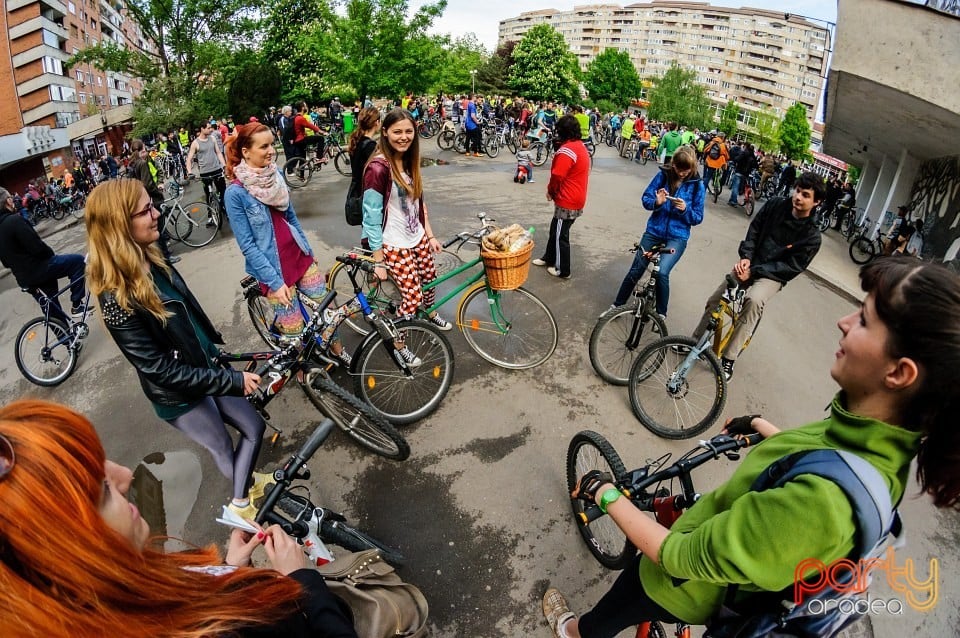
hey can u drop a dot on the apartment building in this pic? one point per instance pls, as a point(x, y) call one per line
point(44, 97)
point(758, 58)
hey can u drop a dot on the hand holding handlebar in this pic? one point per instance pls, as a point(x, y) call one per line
point(590, 483)
point(740, 425)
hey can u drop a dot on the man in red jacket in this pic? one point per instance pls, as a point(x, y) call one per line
point(567, 189)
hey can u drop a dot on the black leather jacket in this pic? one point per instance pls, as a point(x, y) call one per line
point(169, 359)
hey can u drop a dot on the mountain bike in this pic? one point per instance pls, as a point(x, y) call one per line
point(677, 386)
point(303, 358)
point(446, 135)
point(540, 151)
point(715, 185)
point(621, 333)
point(291, 508)
point(750, 183)
point(195, 224)
point(865, 249)
point(647, 155)
point(400, 391)
point(298, 171)
point(47, 347)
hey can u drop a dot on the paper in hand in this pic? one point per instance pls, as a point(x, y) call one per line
point(228, 518)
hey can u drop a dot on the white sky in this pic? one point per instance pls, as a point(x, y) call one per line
point(482, 17)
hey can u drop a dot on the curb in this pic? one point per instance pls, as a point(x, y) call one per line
point(48, 230)
point(843, 291)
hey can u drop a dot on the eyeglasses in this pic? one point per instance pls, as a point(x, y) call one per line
point(146, 211)
point(7, 457)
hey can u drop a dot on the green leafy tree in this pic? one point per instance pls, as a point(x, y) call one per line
point(544, 68)
point(461, 56)
point(794, 132)
point(678, 97)
point(612, 77)
point(853, 173)
point(767, 129)
point(254, 89)
point(303, 51)
point(494, 74)
point(728, 119)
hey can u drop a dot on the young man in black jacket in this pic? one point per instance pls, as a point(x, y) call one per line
point(32, 261)
point(781, 242)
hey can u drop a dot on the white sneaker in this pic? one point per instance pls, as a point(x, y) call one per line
point(409, 357)
point(556, 273)
point(440, 322)
point(539, 262)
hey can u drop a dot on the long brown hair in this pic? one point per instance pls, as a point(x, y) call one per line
point(115, 261)
point(410, 159)
point(366, 120)
point(66, 572)
point(684, 158)
point(242, 138)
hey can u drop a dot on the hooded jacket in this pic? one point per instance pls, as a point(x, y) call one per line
point(667, 222)
point(778, 245)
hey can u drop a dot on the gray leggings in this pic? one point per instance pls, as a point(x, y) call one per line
point(206, 424)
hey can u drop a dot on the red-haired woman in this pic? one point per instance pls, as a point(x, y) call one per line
point(267, 229)
point(111, 582)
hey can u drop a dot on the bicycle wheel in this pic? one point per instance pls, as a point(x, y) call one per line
point(383, 297)
point(862, 250)
point(748, 204)
point(608, 544)
point(716, 185)
point(445, 140)
point(672, 402)
point(57, 211)
point(297, 172)
point(348, 537)
point(43, 353)
point(823, 221)
point(460, 143)
point(380, 381)
point(512, 144)
point(538, 153)
point(342, 162)
point(509, 328)
point(357, 419)
point(446, 262)
point(846, 224)
point(262, 315)
point(492, 147)
point(197, 224)
point(77, 206)
point(618, 338)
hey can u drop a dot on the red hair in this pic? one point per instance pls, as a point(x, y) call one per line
point(64, 571)
point(242, 138)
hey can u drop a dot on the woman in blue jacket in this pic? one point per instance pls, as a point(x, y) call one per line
point(676, 196)
point(267, 229)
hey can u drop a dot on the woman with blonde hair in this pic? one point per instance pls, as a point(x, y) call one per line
point(60, 492)
point(161, 329)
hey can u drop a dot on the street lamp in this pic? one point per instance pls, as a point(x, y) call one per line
point(473, 81)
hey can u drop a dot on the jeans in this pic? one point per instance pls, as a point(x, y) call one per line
point(708, 177)
point(735, 188)
point(639, 266)
point(58, 267)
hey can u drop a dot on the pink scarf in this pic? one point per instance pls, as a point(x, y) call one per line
point(264, 184)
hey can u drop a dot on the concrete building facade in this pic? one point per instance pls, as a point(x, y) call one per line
point(759, 58)
point(45, 98)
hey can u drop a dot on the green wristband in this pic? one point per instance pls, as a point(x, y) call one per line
point(610, 495)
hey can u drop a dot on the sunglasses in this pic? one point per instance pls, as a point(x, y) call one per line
point(7, 457)
point(144, 212)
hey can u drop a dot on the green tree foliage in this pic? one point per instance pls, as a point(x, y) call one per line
point(544, 68)
point(253, 90)
point(853, 173)
point(678, 97)
point(767, 129)
point(794, 132)
point(493, 75)
point(612, 77)
point(728, 119)
point(462, 55)
point(302, 50)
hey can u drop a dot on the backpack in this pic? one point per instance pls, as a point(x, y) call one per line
point(775, 614)
point(714, 152)
point(286, 130)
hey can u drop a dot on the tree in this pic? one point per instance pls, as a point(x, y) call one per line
point(303, 51)
point(461, 56)
point(766, 130)
point(544, 68)
point(678, 97)
point(612, 77)
point(728, 119)
point(794, 132)
point(254, 89)
point(493, 75)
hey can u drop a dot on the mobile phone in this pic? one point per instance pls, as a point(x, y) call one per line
point(674, 199)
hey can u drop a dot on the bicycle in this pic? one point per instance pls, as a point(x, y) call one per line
point(398, 390)
point(865, 249)
point(47, 347)
point(677, 386)
point(298, 358)
point(446, 135)
point(540, 151)
point(621, 333)
point(195, 224)
point(512, 329)
point(648, 488)
point(749, 188)
point(715, 186)
point(298, 171)
point(648, 154)
point(311, 525)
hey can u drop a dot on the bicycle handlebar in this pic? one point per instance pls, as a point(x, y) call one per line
point(639, 480)
point(351, 259)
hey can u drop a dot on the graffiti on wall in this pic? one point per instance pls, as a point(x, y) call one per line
point(936, 200)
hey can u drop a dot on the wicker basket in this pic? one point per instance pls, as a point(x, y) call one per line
point(507, 271)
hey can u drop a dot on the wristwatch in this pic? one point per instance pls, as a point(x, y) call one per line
point(609, 496)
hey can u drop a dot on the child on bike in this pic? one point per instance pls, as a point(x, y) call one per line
point(524, 172)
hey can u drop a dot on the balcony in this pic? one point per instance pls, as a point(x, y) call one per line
point(53, 9)
point(35, 24)
point(37, 52)
point(50, 107)
point(42, 81)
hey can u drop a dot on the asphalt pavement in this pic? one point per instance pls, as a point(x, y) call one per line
point(480, 507)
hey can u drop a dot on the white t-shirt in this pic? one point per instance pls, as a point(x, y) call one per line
point(403, 229)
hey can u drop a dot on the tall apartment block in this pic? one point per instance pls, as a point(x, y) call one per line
point(758, 58)
point(43, 98)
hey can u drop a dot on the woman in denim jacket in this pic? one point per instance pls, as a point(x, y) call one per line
point(676, 196)
point(267, 229)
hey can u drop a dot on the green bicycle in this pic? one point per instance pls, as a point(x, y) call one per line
point(512, 329)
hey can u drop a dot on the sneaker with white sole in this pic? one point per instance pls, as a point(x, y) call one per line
point(556, 273)
point(539, 262)
point(344, 357)
point(77, 311)
point(440, 322)
point(556, 611)
point(409, 357)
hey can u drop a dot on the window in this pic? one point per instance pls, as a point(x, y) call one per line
point(52, 65)
point(99, 81)
point(79, 76)
point(83, 98)
point(72, 8)
point(51, 39)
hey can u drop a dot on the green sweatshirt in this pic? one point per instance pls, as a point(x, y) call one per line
point(756, 539)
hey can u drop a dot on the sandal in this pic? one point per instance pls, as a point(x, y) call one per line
point(556, 611)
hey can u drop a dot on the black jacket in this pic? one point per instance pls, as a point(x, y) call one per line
point(358, 161)
point(22, 250)
point(322, 614)
point(140, 169)
point(169, 359)
point(746, 162)
point(779, 246)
